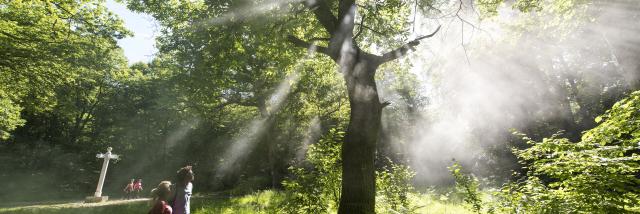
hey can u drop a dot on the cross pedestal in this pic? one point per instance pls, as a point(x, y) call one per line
point(97, 197)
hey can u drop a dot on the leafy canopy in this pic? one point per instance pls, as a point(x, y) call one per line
point(46, 44)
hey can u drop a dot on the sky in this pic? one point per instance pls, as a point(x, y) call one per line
point(140, 47)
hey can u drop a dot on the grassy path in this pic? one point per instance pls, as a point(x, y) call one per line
point(199, 204)
point(114, 206)
point(77, 204)
point(266, 202)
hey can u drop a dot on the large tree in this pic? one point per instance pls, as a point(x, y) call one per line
point(359, 70)
point(331, 24)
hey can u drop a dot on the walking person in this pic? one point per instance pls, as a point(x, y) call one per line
point(128, 190)
point(137, 187)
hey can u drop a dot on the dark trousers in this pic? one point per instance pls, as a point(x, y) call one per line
point(128, 195)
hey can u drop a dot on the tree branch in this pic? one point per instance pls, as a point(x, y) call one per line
point(73, 16)
point(402, 51)
point(300, 43)
point(385, 104)
point(319, 39)
point(364, 18)
point(371, 29)
point(323, 14)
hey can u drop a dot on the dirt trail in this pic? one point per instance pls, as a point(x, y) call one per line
point(74, 204)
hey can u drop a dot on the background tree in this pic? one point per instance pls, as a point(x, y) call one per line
point(58, 60)
point(47, 44)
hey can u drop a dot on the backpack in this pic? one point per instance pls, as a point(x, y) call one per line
point(164, 208)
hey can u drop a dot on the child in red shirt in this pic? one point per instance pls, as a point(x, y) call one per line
point(128, 190)
point(137, 187)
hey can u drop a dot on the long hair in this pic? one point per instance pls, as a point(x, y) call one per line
point(185, 174)
point(162, 192)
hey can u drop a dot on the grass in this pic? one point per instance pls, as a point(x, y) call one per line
point(437, 204)
point(260, 202)
point(73, 208)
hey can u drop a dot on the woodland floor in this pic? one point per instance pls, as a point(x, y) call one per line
point(261, 202)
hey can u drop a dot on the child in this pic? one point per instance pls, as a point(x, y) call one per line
point(160, 196)
point(128, 190)
point(183, 191)
point(137, 187)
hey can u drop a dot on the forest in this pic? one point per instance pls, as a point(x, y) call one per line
point(323, 106)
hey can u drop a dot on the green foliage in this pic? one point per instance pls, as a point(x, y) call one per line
point(393, 186)
point(248, 185)
point(9, 116)
point(528, 5)
point(267, 201)
point(387, 22)
point(59, 62)
point(596, 175)
point(46, 45)
point(467, 186)
point(489, 8)
point(63, 76)
point(317, 189)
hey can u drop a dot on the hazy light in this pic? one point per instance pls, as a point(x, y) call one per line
point(505, 84)
point(247, 12)
point(244, 142)
point(312, 135)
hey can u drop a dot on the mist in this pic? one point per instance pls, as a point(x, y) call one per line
point(486, 77)
point(246, 139)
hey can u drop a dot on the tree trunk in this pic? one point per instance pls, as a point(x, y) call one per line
point(359, 69)
point(358, 149)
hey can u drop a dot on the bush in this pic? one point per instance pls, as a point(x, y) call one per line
point(315, 186)
point(467, 187)
point(599, 174)
point(393, 184)
point(249, 185)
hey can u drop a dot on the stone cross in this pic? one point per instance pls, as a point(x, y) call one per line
point(97, 197)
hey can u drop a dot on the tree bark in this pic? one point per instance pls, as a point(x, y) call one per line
point(358, 149)
point(359, 69)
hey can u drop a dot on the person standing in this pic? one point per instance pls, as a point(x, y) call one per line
point(183, 191)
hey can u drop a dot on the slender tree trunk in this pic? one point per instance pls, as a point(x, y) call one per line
point(358, 150)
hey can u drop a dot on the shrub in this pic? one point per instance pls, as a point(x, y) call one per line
point(599, 174)
point(467, 187)
point(315, 186)
point(393, 184)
